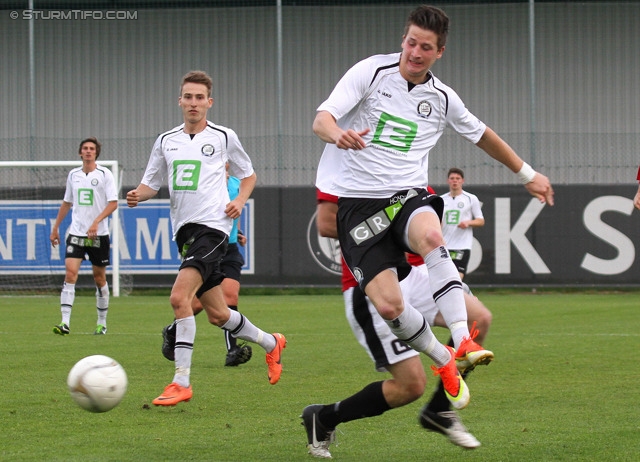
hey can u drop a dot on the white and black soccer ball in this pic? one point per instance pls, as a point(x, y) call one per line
point(97, 383)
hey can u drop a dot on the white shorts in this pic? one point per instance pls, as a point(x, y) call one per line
point(372, 331)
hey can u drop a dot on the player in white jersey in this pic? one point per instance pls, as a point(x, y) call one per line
point(408, 379)
point(383, 117)
point(92, 193)
point(462, 213)
point(192, 158)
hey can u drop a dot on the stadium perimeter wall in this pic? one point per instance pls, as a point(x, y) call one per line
point(589, 238)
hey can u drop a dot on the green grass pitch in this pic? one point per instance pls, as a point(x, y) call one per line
point(563, 386)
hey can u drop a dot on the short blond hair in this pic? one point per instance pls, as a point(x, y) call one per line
point(197, 77)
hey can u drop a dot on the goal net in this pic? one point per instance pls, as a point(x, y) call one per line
point(31, 193)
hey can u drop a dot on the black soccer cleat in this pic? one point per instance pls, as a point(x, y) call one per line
point(169, 341)
point(238, 355)
point(61, 329)
point(319, 437)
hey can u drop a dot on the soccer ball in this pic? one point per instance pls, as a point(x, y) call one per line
point(97, 383)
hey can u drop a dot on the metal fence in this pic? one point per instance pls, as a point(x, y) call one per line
point(558, 80)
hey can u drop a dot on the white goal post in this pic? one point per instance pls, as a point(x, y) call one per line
point(15, 179)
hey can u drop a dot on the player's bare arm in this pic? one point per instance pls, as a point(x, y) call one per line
point(475, 223)
point(326, 128)
point(140, 194)
point(234, 208)
point(537, 184)
point(54, 237)
point(108, 210)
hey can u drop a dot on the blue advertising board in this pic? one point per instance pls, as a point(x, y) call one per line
point(146, 245)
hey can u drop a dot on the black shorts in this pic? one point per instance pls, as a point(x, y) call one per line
point(371, 231)
point(460, 258)
point(232, 263)
point(96, 249)
point(202, 248)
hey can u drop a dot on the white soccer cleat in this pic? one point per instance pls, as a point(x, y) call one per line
point(449, 424)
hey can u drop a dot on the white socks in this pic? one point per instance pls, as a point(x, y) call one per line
point(185, 336)
point(413, 329)
point(240, 327)
point(102, 304)
point(67, 296)
point(447, 292)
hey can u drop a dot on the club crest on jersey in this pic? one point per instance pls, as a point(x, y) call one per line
point(424, 109)
point(208, 150)
point(94, 182)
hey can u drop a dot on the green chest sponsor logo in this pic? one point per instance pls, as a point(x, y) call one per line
point(452, 217)
point(186, 174)
point(395, 132)
point(85, 196)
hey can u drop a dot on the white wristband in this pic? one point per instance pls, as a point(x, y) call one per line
point(526, 173)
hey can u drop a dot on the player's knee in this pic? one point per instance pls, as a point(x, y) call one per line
point(484, 319)
point(216, 320)
point(180, 304)
point(71, 276)
point(389, 311)
point(427, 241)
point(217, 315)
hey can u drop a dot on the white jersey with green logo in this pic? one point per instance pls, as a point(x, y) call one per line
point(404, 125)
point(463, 207)
point(194, 169)
point(89, 195)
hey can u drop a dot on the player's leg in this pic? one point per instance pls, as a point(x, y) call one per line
point(375, 262)
point(388, 354)
point(423, 235)
point(479, 315)
point(230, 290)
point(411, 327)
point(403, 320)
point(231, 266)
point(437, 415)
point(68, 294)
point(241, 327)
point(102, 298)
point(100, 259)
point(184, 288)
point(320, 421)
